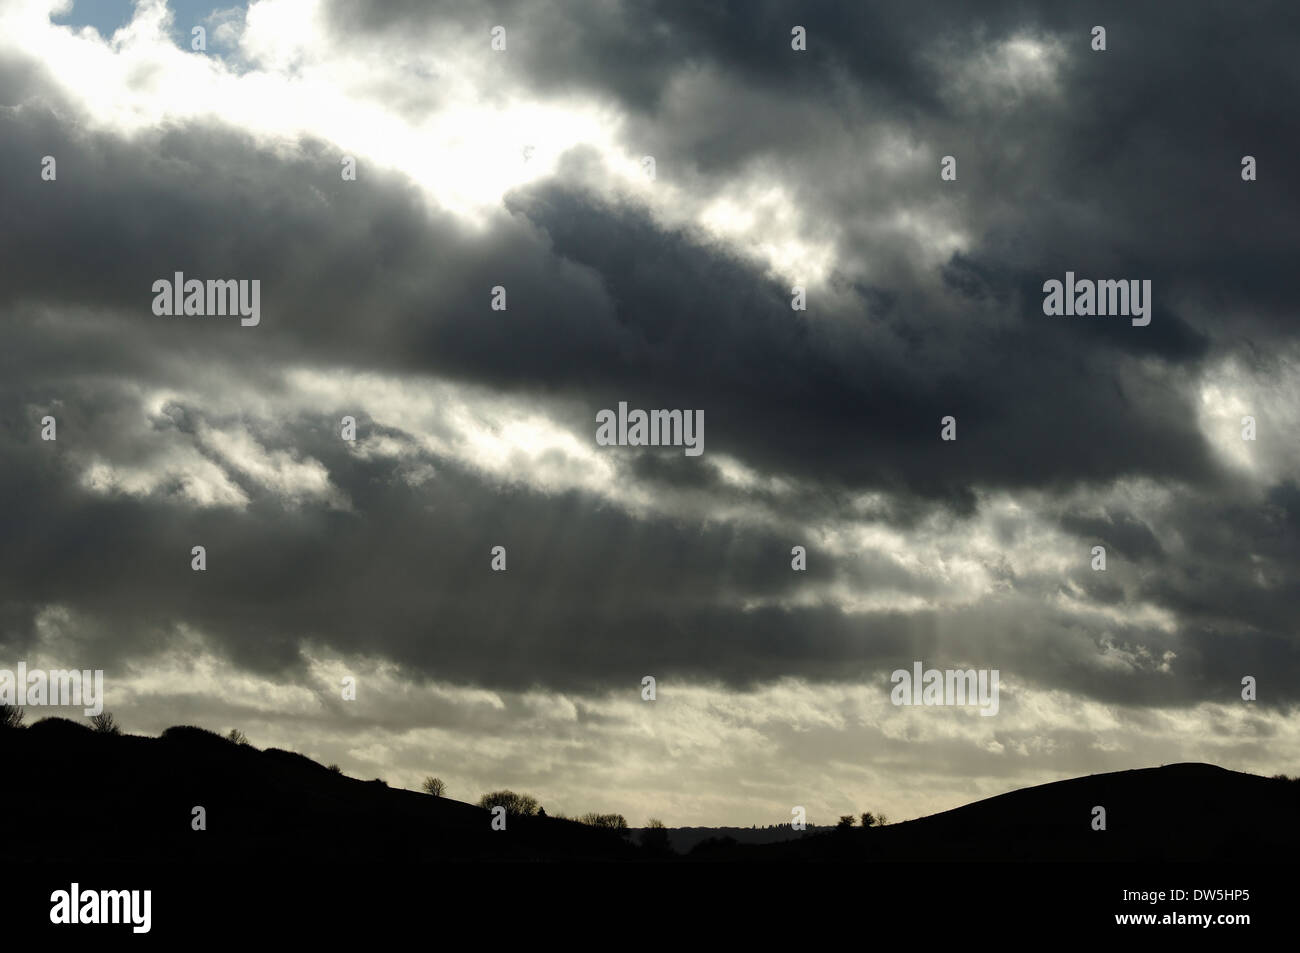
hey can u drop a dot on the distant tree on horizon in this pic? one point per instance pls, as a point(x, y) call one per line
point(868, 819)
point(654, 838)
point(435, 786)
point(11, 716)
point(237, 736)
point(612, 822)
point(517, 805)
point(846, 821)
point(105, 724)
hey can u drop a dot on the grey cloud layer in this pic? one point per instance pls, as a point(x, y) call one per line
point(1130, 171)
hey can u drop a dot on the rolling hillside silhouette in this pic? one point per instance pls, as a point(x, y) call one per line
point(1180, 812)
point(80, 795)
point(112, 798)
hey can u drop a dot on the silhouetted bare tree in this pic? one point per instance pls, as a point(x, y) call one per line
point(846, 821)
point(613, 822)
point(654, 839)
point(434, 786)
point(519, 805)
point(106, 724)
point(237, 736)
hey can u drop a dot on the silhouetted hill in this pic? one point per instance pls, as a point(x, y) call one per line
point(1180, 812)
point(78, 795)
point(75, 795)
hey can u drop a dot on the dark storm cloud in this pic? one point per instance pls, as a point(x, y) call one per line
point(1135, 164)
point(591, 595)
point(632, 51)
point(592, 598)
point(1124, 532)
point(1132, 172)
point(604, 307)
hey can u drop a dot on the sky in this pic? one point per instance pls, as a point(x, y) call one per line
point(525, 168)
